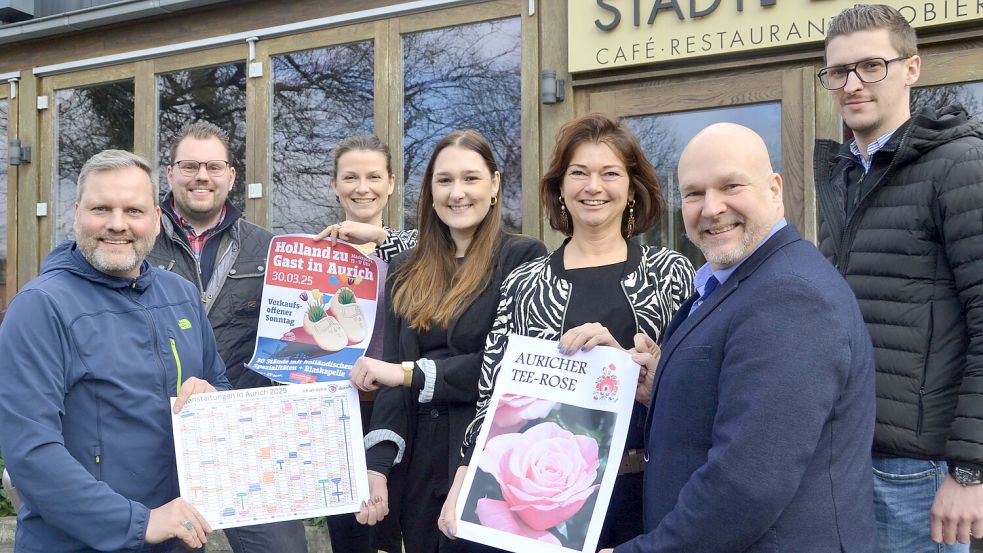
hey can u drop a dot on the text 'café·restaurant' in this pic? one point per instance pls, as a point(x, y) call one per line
point(289, 79)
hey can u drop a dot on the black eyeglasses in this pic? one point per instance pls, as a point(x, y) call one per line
point(214, 168)
point(868, 71)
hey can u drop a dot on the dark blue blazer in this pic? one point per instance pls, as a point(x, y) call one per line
point(762, 416)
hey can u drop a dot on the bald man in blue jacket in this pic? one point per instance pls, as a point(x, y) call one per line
point(762, 406)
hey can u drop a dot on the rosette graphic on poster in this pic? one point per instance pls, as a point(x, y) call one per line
point(318, 310)
point(548, 454)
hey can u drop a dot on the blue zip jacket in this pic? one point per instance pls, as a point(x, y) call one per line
point(89, 363)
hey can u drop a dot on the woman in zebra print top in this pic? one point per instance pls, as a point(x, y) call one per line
point(598, 288)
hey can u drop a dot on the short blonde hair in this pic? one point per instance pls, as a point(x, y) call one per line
point(870, 17)
point(113, 160)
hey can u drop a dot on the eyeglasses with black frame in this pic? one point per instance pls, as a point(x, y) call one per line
point(868, 71)
point(214, 168)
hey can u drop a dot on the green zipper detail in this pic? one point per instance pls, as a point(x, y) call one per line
point(177, 359)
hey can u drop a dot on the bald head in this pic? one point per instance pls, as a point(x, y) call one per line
point(730, 141)
point(731, 196)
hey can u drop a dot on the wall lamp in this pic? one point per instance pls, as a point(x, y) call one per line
point(551, 89)
point(19, 155)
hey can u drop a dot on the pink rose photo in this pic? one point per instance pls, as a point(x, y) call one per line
point(514, 411)
point(540, 470)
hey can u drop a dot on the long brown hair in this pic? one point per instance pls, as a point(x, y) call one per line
point(432, 287)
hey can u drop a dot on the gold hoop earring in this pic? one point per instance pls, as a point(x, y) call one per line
point(494, 200)
point(631, 218)
point(564, 218)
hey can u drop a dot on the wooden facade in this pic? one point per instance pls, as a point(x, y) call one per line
point(807, 113)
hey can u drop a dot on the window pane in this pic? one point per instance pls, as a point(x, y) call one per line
point(663, 138)
point(89, 119)
point(319, 97)
point(464, 77)
point(213, 94)
point(968, 95)
point(4, 110)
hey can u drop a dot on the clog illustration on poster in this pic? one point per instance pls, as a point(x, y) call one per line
point(334, 326)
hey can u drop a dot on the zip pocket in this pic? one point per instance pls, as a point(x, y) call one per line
point(97, 457)
point(929, 331)
point(177, 361)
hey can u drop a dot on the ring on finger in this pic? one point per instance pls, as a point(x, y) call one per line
point(189, 525)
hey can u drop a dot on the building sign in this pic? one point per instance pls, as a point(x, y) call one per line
point(612, 34)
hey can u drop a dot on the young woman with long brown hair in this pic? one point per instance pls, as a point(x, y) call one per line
point(441, 299)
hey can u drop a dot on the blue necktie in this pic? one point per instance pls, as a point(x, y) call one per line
point(709, 287)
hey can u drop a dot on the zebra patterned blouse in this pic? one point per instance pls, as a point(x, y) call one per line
point(534, 299)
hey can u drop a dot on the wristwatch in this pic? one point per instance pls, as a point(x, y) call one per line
point(408, 373)
point(967, 476)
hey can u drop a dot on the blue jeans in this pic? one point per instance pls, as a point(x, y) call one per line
point(904, 490)
point(281, 537)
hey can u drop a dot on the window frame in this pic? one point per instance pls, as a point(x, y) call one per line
point(48, 143)
point(11, 199)
point(789, 86)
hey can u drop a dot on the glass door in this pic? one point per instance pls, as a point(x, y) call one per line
point(666, 116)
point(87, 112)
point(210, 86)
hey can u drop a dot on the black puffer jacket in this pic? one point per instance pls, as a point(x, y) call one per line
point(234, 291)
point(912, 252)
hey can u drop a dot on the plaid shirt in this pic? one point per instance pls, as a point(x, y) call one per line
point(196, 240)
point(872, 149)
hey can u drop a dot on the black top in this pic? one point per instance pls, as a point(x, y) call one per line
point(457, 369)
point(596, 296)
point(433, 343)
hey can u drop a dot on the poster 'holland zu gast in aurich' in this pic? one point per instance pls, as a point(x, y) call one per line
point(318, 310)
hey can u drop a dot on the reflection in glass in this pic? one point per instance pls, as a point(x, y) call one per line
point(4, 107)
point(464, 77)
point(214, 94)
point(319, 97)
point(968, 95)
point(88, 120)
point(663, 138)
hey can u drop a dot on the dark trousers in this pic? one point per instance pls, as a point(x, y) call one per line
point(348, 536)
point(282, 537)
point(426, 488)
point(287, 536)
point(623, 521)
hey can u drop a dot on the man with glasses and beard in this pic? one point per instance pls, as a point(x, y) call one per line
point(901, 217)
point(92, 351)
point(205, 238)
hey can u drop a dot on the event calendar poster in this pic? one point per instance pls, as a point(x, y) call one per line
point(318, 309)
point(271, 454)
point(549, 450)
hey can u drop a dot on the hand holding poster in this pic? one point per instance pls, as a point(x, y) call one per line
point(318, 310)
point(548, 454)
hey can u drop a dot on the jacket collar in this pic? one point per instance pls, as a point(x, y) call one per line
point(684, 323)
point(174, 230)
point(67, 256)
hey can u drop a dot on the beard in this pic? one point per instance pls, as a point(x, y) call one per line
point(117, 265)
point(752, 236)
